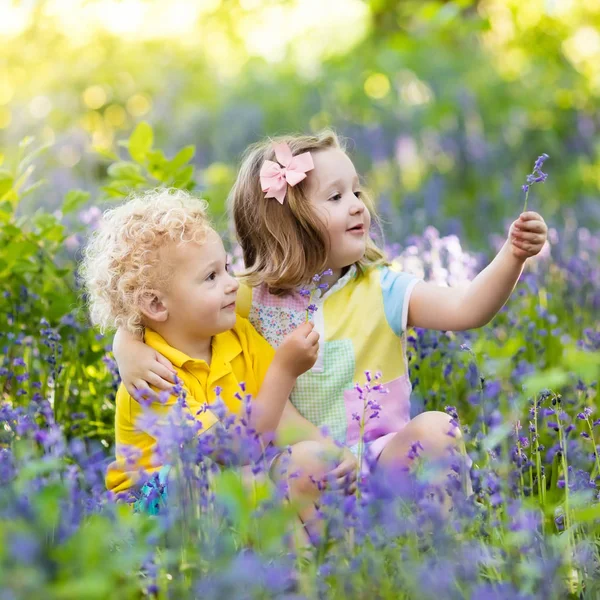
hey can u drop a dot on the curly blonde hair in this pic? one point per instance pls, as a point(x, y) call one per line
point(285, 245)
point(122, 260)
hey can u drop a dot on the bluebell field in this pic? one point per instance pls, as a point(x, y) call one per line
point(524, 390)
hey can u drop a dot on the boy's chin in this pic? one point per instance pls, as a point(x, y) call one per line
point(223, 325)
point(227, 322)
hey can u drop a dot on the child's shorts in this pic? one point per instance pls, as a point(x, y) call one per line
point(372, 451)
point(153, 497)
point(154, 494)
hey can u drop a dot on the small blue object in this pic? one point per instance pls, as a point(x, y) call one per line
point(154, 495)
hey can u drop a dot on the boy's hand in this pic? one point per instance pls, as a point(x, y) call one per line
point(298, 351)
point(140, 366)
point(527, 235)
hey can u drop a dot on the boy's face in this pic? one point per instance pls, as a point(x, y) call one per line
point(334, 191)
point(200, 299)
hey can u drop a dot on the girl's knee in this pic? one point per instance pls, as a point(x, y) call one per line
point(437, 422)
point(436, 428)
point(305, 463)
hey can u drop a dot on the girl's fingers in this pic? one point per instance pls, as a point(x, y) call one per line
point(165, 372)
point(133, 387)
point(530, 215)
point(137, 388)
point(166, 363)
point(532, 227)
point(536, 238)
point(345, 468)
point(158, 382)
point(341, 483)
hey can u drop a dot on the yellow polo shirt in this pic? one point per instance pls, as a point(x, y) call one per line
point(238, 355)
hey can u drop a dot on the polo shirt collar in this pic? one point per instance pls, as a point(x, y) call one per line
point(225, 347)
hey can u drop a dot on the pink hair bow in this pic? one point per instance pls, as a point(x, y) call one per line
point(275, 177)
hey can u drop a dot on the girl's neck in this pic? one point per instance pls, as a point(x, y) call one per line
point(332, 279)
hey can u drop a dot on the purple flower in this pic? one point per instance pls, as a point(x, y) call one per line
point(536, 176)
point(414, 450)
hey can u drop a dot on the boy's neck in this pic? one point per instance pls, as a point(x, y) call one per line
point(197, 348)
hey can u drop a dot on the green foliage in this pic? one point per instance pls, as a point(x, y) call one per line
point(446, 105)
point(150, 166)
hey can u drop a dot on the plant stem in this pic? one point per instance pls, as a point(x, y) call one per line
point(526, 197)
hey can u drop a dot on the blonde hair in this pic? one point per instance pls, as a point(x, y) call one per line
point(285, 245)
point(122, 260)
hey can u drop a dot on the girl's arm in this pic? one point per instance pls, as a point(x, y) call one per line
point(295, 355)
point(456, 309)
point(294, 428)
point(139, 365)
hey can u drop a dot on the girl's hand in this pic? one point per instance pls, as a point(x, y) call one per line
point(299, 350)
point(140, 366)
point(343, 477)
point(527, 235)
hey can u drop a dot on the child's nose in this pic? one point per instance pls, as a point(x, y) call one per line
point(358, 206)
point(233, 284)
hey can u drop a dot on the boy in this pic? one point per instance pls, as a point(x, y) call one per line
point(156, 267)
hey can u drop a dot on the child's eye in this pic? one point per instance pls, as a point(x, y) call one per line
point(211, 277)
point(336, 197)
point(228, 268)
point(358, 194)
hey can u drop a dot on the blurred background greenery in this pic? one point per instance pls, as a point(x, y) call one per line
point(446, 104)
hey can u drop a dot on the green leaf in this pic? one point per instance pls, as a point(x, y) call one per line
point(6, 182)
point(33, 187)
point(588, 513)
point(231, 492)
point(586, 365)
point(29, 158)
point(74, 200)
point(40, 467)
point(182, 157)
point(108, 153)
point(549, 379)
point(184, 176)
point(116, 189)
point(47, 503)
point(157, 164)
point(126, 171)
point(140, 142)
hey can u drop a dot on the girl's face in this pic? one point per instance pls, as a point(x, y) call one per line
point(334, 190)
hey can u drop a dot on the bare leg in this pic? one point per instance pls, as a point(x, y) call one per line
point(308, 462)
point(439, 438)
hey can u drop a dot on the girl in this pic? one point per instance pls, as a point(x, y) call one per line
point(299, 210)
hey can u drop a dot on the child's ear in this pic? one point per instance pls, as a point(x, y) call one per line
point(153, 307)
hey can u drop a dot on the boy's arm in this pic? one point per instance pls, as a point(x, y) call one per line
point(456, 309)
